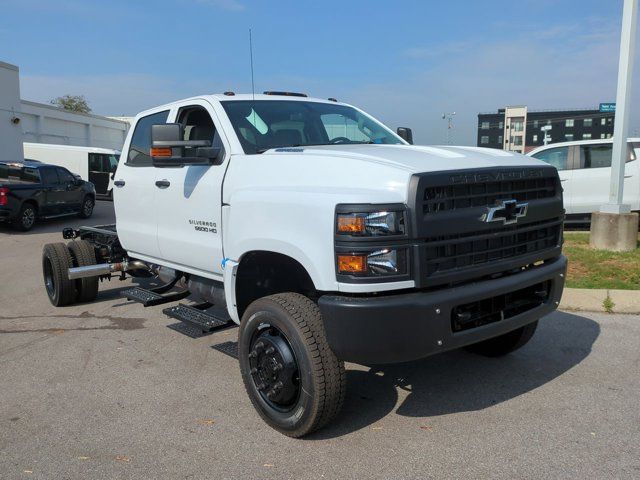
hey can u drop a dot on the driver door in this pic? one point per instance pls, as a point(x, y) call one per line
point(189, 199)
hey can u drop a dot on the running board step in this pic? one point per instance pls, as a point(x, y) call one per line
point(198, 319)
point(149, 298)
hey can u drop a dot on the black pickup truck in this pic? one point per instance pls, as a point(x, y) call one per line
point(30, 190)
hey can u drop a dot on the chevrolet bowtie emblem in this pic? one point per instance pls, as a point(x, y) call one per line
point(507, 212)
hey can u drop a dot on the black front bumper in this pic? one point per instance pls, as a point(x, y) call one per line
point(403, 327)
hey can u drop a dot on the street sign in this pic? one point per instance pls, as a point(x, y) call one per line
point(607, 107)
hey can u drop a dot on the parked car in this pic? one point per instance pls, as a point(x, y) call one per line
point(95, 165)
point(584, 167)
point(327, 237)
point(32, 190)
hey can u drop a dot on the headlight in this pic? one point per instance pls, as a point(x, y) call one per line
point(371, 224)
point(385, 261)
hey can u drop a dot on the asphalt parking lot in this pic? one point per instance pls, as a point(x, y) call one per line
point(106, 390)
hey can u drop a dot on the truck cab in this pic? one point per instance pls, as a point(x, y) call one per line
point(328, 238)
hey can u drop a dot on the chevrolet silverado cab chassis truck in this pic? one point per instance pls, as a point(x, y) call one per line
point(326, 237)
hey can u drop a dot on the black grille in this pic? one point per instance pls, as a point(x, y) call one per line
point(446, 253)
point(453, 197)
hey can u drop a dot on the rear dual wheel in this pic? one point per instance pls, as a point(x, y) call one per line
point(57, 258)
point(293, 379)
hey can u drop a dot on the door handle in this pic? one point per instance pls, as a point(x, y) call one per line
point(163, 183)
point(564, 179)
point(628, 176)
point(119, 183)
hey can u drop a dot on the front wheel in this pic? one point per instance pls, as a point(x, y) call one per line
point(504, 344)
point(293, 379)
point(86, 209)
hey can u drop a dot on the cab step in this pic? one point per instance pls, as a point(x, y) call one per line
point(197, 321)
point(228, 348)
point(151, 297)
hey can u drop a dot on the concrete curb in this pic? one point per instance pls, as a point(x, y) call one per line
point(593, 300)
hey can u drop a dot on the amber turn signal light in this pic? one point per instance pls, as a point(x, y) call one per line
point(350, 224)
point(161, 152)
point(352, 263)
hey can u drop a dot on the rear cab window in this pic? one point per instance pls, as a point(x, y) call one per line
point(139, 149)
point(600, 155)
point(18, 173)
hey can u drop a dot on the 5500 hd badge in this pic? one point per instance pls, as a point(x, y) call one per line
point(204, 226)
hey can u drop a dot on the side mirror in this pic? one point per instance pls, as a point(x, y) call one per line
point(406, 134)
point(167, 147)
point(78, 181)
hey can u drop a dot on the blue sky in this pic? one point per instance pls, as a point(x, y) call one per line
point(404, 62)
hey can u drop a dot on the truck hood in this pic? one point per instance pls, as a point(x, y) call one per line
point(416, 159)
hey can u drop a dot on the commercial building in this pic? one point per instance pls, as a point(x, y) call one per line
point(518, 129)
point(25, 121)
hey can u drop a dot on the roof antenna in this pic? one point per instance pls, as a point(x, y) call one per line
point(253, 89)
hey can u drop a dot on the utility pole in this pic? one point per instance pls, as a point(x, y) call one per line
point(449, 118)
point(614, 227)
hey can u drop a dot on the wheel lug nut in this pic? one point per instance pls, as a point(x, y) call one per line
point(277, 367)
point(253, 354)
point(253, 371)
point(269, 350)
point(259, 346)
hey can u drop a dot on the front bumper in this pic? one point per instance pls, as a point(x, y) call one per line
point(404, 327)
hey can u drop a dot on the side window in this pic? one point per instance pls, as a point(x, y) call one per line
point(64, 176)
point(95, 162)
point(198, 125)
point(138, 154)
point(49, 176)
point(113, 162)
point(599, 156)
point(558, 157)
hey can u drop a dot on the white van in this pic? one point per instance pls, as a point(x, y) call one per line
point(584, 167)
point(96, 165)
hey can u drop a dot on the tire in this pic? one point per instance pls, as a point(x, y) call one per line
point(26, 219)
point(56, 260)
point(82, 255)
point(86, 209)
point(504, 344)
point(312, 380)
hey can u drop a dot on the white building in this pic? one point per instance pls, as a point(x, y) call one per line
point(25, 121)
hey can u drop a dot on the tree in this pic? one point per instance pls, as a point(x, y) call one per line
point(73, 103)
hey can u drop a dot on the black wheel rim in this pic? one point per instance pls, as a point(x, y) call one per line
point(88, 207)
point(48, 278)
point(28, 217)
point(274, 368)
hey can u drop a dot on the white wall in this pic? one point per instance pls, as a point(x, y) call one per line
point(42, 123)
point(48, 124)
point(10, 133)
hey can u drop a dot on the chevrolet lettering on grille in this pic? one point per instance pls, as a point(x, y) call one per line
point(508, 212)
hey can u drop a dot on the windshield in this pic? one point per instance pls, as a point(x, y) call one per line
point(264, 124)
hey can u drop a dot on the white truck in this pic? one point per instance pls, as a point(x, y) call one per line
point(92, 164)
point(584, 167)
point(326, 237)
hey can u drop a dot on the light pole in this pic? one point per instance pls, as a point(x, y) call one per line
point(614, 227)
point(546, 139)
point(449, 118)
